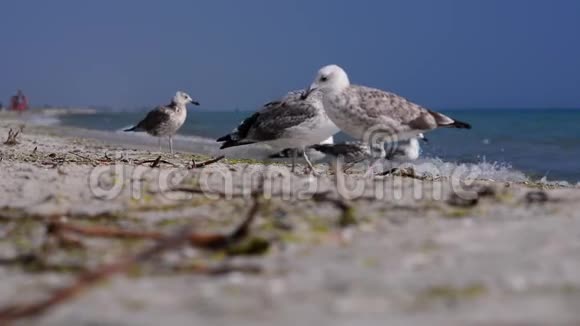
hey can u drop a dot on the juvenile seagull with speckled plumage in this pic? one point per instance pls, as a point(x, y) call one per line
point(292, 122)
point(164, 121)
point(357, 109)
point(373, 115)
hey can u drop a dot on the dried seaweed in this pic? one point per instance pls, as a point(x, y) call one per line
point(88, 279)
point(12, 138)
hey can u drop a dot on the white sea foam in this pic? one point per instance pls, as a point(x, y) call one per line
point(544, 181)
point(496, 171)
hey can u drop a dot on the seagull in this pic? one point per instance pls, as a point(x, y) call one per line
point(166, 120)
point(292, 122)
point(356, 110)
point(372, 115)
point(313, 155)
point(352, 152)
point(406, 150)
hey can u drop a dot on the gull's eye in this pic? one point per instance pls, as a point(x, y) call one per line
point(323, 78)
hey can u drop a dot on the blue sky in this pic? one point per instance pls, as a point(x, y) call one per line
point(228, 54)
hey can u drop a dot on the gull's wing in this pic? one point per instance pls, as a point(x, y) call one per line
point(272, 121)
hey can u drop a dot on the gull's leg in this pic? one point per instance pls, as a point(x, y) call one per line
point(371, 170)
point(309, 163)
point(336, 165)
point(159, 142)
point(333, 166)
point(377, 154)
point(294, 156)
point(171, 144)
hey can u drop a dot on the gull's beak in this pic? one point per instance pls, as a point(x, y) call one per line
point(307, 92)
point(195, 102)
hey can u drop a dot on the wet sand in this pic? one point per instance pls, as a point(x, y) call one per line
point(405, 249)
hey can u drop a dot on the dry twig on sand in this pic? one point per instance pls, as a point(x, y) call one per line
point(221, 269)
point(82, 156)
point(347, 217)
point(199, 240)
point(196, 165)
point(156, 162)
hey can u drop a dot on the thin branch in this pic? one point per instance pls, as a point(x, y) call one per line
point(199, 191)
point(210, 241)
point(347, 217)
point(81, 156)
point(190, 190)
point(156, 162)
point(196, 165)
point(221, 269)
point(408, 172)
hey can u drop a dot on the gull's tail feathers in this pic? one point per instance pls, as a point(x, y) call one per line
point(445, 121)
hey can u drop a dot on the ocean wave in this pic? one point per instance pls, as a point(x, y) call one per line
point(43, 120)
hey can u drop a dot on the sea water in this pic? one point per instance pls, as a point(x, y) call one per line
point(535, 143)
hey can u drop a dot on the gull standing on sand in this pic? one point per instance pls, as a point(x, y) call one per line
point(313, 155)
point(364, 112)
point(164, 121)
point(292, 122)
point(358, 151)
point(406, 151)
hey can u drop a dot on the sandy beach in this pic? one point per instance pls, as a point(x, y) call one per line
point(407, 247)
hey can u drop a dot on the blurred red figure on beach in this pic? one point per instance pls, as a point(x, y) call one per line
point(19, 102)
